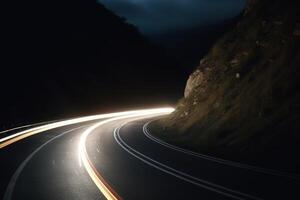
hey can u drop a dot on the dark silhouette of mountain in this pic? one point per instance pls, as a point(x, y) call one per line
point(242, 101)
point(63, 58)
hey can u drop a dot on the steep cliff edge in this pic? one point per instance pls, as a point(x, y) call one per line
point(243, 100)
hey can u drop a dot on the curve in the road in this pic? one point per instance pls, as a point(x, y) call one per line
point(179, 174)
point(6, 141)
point(93, 173)
point(214, 159)
point(84, 160)
point(11, 185)
point(124, 147)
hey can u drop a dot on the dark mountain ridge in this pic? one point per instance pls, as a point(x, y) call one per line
point(242, 101)
point(65, 58)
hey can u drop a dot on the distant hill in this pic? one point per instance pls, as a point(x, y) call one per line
point(63, 58)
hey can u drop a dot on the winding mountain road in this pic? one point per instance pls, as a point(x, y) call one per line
point(115, 156)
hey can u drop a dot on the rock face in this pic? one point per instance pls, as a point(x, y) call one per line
point(244, 95)
point(195, 80)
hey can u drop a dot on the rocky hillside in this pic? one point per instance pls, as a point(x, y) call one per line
point(243, 100)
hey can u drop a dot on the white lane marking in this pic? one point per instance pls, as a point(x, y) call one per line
point(12, 183)
point(218, 160)
point(85, 161)
point(179, 174)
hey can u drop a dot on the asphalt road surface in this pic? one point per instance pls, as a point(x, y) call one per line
point(115, 156)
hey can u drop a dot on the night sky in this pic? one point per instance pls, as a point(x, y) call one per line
point(154, 17)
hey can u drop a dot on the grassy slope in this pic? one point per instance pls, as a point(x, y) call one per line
point(247, 105)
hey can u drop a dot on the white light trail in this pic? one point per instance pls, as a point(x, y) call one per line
point(27, 133)
point(99, 181)
point(84, 160)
